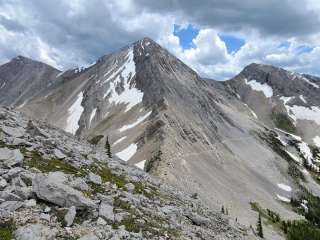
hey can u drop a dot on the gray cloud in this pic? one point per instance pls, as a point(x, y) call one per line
point(66, 33)
point(274, 17)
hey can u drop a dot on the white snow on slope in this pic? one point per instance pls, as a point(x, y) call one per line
point(60, 74)
point(74, 114)
point(139, 120)
point(119, 140)
point(303, 99)
point(283, 199)
point(294, 157)
point(312, 114)
point(265, 88)
point(93, 114)
point(299, 112)
point(284, 187)
point(316, 141)
point(141, 164)
point(306, 152)
point(128, 152)
point(311, 83)
point(283, 142)
point(131, 96)
point(290, 134)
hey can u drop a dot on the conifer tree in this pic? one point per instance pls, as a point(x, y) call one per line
point(259, 227)
point(108, 147)
point(222, 209)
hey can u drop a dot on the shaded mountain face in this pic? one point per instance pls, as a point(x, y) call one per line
point(194, 133)
point(282, 99)
point(22, 78)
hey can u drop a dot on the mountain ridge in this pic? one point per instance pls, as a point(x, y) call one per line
point(161, 116)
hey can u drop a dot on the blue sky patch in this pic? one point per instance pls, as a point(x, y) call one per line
point(233, 43)
point(303, 49)
point(186, 35)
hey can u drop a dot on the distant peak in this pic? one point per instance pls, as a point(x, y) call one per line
point(21, 59)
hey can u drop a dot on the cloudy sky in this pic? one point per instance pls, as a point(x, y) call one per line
point(215, 37)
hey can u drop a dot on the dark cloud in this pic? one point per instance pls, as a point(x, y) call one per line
point(275, 17)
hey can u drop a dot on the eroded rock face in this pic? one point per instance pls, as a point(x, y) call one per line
point(53, 190)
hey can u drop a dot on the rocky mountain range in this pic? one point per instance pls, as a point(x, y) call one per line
point(248, 144)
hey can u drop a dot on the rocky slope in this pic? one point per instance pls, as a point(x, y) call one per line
point(193, 133)
point(53, 186)
point(22, 78)
point(282, 99)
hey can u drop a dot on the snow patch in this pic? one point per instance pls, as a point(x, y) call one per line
point(3, 85)
point(290, 134)
point(130, 96)
point(128, 152)
point(306, 152)
point(93, 114)
point(303, 99)
point(283, 199)
point(294, 157)
point(316, 141)
point(119, 140)
point(60, 74)
point(284, 187)
point(74, 114)
point(260, 87)
point(141, 164)
point(309, 82)
point(139, 120)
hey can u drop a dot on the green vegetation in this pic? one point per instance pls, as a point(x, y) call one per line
point(295, 173)
point(107, 175)
point(296, 229)
point(301, 230)
point(151, 162)
point(147, 190)
point(259, 227)
point(96, 139)
point(6, 230)
point(282, 121)
point(35, 160)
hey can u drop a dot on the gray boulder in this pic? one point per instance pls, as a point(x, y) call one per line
point(89, 236)
point(10, 158)
point(53, 190)
point(11, 206)
point(96, 179)
point(106, 211)
point(70, 216)
point(58, 154)
point(16, 132)
point(35, 232)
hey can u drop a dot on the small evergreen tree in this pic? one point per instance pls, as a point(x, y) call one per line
point(259, 227)
point(222, 210)
point(108, 147)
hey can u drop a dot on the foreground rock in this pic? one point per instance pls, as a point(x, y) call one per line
point(10, 158)
point(50, 189)
point(79, 192)
point(35, 232)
